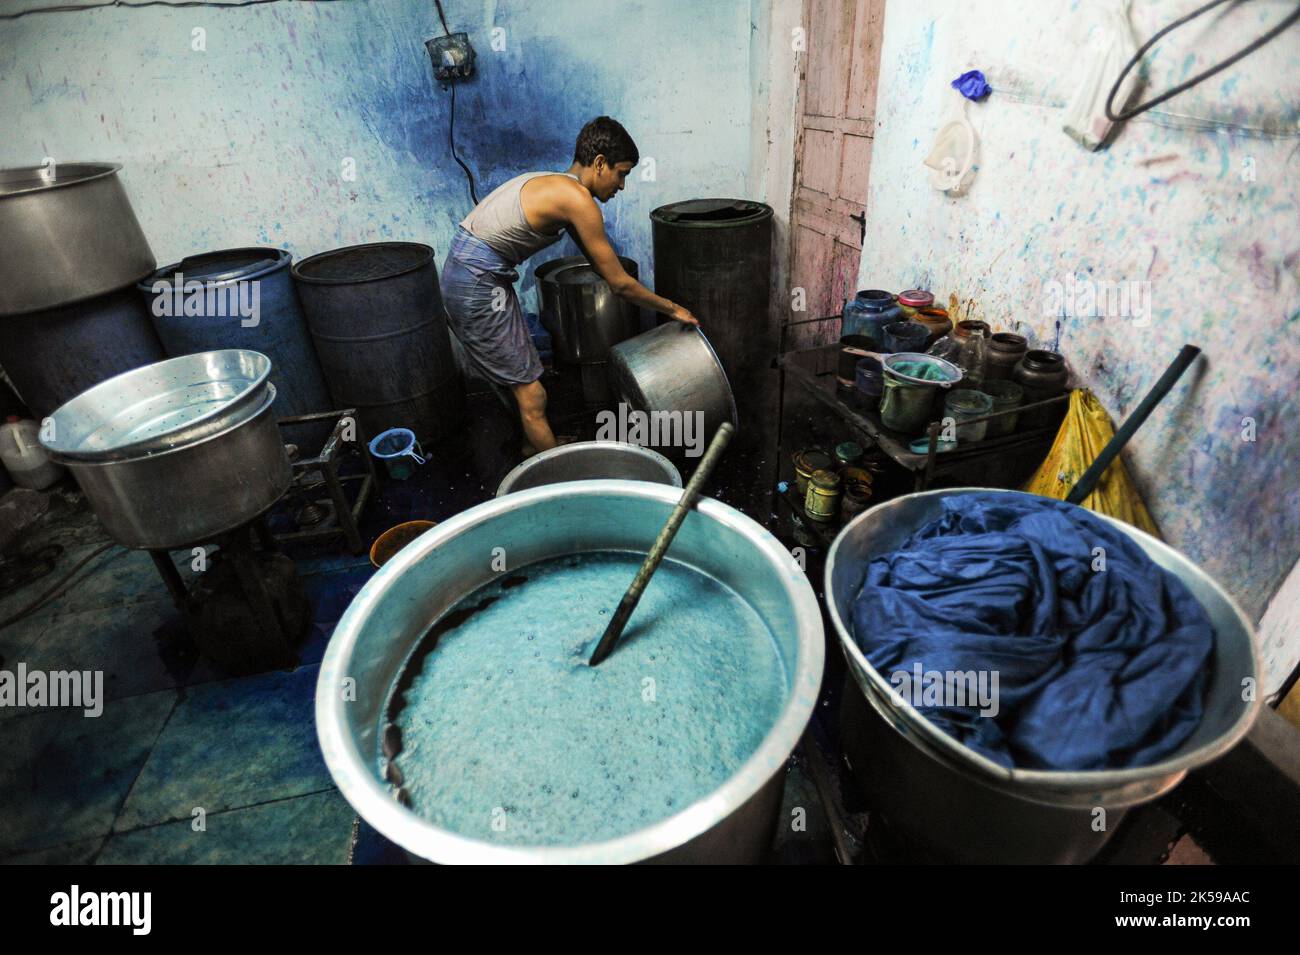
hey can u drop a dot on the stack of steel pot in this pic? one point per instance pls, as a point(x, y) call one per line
point(585, 318)
point(177, 452)
point(73, 251)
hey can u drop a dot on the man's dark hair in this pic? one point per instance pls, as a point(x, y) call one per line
point(605, 137)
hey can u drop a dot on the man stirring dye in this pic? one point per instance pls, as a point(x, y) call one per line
point(517, 219)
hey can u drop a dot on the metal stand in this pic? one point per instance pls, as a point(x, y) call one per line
point(337, 448)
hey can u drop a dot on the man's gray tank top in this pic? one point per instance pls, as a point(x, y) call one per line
point(500, 222)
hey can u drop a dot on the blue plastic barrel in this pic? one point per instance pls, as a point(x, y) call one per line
point(205, 302)
point(54, 355)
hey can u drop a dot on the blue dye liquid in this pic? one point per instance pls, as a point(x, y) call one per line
point(509, 736)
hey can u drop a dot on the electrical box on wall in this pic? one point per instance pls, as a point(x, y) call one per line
point(452, 56)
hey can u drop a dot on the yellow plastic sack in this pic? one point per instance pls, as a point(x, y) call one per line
point(1086, 430)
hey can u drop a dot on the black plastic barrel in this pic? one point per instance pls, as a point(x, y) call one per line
point(375, 313)
point(714, 256)
point(206, 314)
point(54, 355)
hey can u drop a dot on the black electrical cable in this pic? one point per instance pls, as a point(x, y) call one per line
point(1181, 87)
point(442, 17)
point(451, 138)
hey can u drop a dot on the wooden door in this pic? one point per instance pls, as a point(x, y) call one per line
point(836, 117)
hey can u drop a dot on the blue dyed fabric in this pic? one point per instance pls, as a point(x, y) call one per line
point(1097, 669)
point(972, 85)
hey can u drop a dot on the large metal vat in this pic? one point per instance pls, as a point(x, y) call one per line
point(55, 354)
point(591, 461)
point(193, 306)
point(952, 804)
point(397, 605)
point(714, 256)
point(582, 313)
point(672, 369)
point(177, 452)
point(548, 294)
point(68, 234)
point(375, 313)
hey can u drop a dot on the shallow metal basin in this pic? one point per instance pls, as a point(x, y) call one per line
point(589, 461)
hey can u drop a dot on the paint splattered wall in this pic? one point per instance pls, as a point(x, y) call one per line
point(1196, 202)
point(244, 141)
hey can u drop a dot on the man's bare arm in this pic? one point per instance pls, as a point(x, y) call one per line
point(587, 227)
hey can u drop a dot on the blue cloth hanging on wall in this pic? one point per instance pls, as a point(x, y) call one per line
point(1097, 669)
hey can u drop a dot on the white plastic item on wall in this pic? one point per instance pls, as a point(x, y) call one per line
point(952, 158)
point(1113, 45)
point(24, 458)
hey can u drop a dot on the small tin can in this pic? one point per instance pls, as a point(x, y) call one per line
point(848, 454)
point(823, 499)
point(806, 462)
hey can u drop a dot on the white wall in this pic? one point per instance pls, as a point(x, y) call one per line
point(1197, 199)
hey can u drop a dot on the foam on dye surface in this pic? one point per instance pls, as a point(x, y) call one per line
point(508, 736)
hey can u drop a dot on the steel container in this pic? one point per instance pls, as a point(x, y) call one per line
point(591, 461)
point(177, 452)
point(590, 318)
point(672, 369)
point(426, 578)
point(952, 804)
point(548, 292)
point(69, 234)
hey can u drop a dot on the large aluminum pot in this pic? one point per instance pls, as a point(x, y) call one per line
point(548, 297)
point(590, 461)
point(584, 317)
point(591, 319)
point(954, 805)
point(177, 452)
point(672, 368)
point(69, 234)
point(395, 608)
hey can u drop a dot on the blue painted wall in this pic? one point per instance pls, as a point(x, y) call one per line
point(244, 141)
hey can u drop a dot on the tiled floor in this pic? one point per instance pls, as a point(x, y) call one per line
point(186, 764)
point(183, 765)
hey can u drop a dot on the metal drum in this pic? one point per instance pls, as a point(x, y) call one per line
point(548, 293)
point(375, 313)
point(395, 608)
point(589, 318)
point(591, 461)
point(956, 805)
point(177, 452)
point(672, 369)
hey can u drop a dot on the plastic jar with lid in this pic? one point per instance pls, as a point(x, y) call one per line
point(913, 300)
point(26, 461)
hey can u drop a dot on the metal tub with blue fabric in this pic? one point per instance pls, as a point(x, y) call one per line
point(950, 803)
